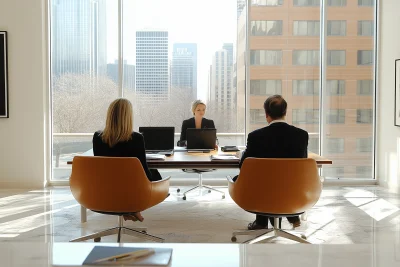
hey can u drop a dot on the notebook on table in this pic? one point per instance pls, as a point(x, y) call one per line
point(158, 140)
point(160, 257)
point(201, 139)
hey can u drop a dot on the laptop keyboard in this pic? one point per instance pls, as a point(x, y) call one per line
point(160, 152)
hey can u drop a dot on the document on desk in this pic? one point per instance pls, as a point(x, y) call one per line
point(155, 157)
point(128, 256)
point(224, 157)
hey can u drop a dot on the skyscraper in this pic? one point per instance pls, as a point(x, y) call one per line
point(241, 4)
point(184, 68)
point(221, 89)
point(78, 43)
point(152, 78)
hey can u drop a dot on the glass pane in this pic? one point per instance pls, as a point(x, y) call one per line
point(349, 93)
point(190, 58)
point(298, 70)
point(83, 74)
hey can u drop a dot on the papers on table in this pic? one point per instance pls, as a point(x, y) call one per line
point(224, 157)
point(155, 157)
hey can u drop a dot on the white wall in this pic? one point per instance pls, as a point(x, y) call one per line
point(388, 136)
point(22, 136)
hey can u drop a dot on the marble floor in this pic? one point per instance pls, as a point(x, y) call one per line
point(343, 215)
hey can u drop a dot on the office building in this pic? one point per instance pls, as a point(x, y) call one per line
point(79, 43)
point(184, 68)
point(152, 68)
point(284, 59)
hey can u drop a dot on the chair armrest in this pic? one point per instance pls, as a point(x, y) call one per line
point(159, 191)
point(229, 178)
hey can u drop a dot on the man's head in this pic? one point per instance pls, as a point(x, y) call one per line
point(275, 108)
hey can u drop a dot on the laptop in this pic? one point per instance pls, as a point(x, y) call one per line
point(158, 140)
point(201, 139)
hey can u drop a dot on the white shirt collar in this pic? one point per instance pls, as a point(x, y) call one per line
point(276, 121)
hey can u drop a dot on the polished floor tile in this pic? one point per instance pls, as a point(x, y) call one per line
point(343, 215)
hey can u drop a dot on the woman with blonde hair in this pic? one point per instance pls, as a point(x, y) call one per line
point(197, 121)
point(119, 140)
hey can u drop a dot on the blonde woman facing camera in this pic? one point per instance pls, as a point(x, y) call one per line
point(119, 140)
point(198, 121)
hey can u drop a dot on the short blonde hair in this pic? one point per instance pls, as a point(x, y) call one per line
point(196, 103)
point(119, 122)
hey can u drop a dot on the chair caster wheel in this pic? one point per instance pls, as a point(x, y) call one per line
point(209, 191)
point(97, 239)
point(184, 198)
point(233, 239)
point(303, 236)
point(144, 232)
point(223, 196)
point(178, 190)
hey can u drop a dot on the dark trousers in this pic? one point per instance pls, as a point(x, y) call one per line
point(155, 175)
point(263, 220)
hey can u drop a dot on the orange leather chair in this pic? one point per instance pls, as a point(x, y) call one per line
point(276, 188)
point(115, 186)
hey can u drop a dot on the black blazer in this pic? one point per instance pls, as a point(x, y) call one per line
point(190, 123)
point(132, 148)
point(278, 140)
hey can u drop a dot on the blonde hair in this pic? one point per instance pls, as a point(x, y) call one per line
point(196, 103)
point(119, 122)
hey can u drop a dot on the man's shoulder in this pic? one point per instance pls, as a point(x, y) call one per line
point(259, 131)
point(298, 130)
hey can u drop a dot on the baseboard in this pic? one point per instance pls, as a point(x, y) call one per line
point(20, 185)
point(391, 187)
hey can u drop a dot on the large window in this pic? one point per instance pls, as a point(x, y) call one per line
point(306, 2)
point(267, 2)
point(365, 57)
point(105, 49)
point(231, 56)
point(365, 28)
point(266, 27)
point(265, 57)
point(336, 58)
point(265, 87)
point(336, 28)
point(305, 87)
point(306, 27)
point(306, 57)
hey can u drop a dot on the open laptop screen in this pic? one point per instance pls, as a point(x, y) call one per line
point(158, 138)
point(201, 138)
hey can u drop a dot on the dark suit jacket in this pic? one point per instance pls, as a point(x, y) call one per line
point(278, 140)
point(190, 123)
point(132, 148)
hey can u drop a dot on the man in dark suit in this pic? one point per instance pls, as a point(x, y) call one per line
point(277, 140)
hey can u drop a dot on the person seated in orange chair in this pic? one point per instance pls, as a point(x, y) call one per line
point(277, 140)
point(119, 140)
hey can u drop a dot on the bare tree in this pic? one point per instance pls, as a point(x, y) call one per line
point(80, 102)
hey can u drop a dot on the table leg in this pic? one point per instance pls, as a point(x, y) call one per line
point(83, 214)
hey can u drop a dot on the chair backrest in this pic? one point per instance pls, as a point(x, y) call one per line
point(277, 186)
point(110, 184)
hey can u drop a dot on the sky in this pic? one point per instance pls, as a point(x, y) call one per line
point(209, 23)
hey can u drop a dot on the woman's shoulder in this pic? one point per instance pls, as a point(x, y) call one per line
point(136, 136)
point(97, 134)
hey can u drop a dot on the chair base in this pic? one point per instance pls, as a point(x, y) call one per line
point(262, 235)
point(140, 232)
point(200, 185)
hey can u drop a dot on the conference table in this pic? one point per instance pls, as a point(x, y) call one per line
point(181, 159)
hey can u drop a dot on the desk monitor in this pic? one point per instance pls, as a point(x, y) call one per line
point(158, 138)
point(201, 138)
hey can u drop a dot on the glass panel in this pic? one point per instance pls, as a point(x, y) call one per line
point(298, 70)
point(83, 74)
point(349, 92)
point(266, 2)
point(191, 58)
